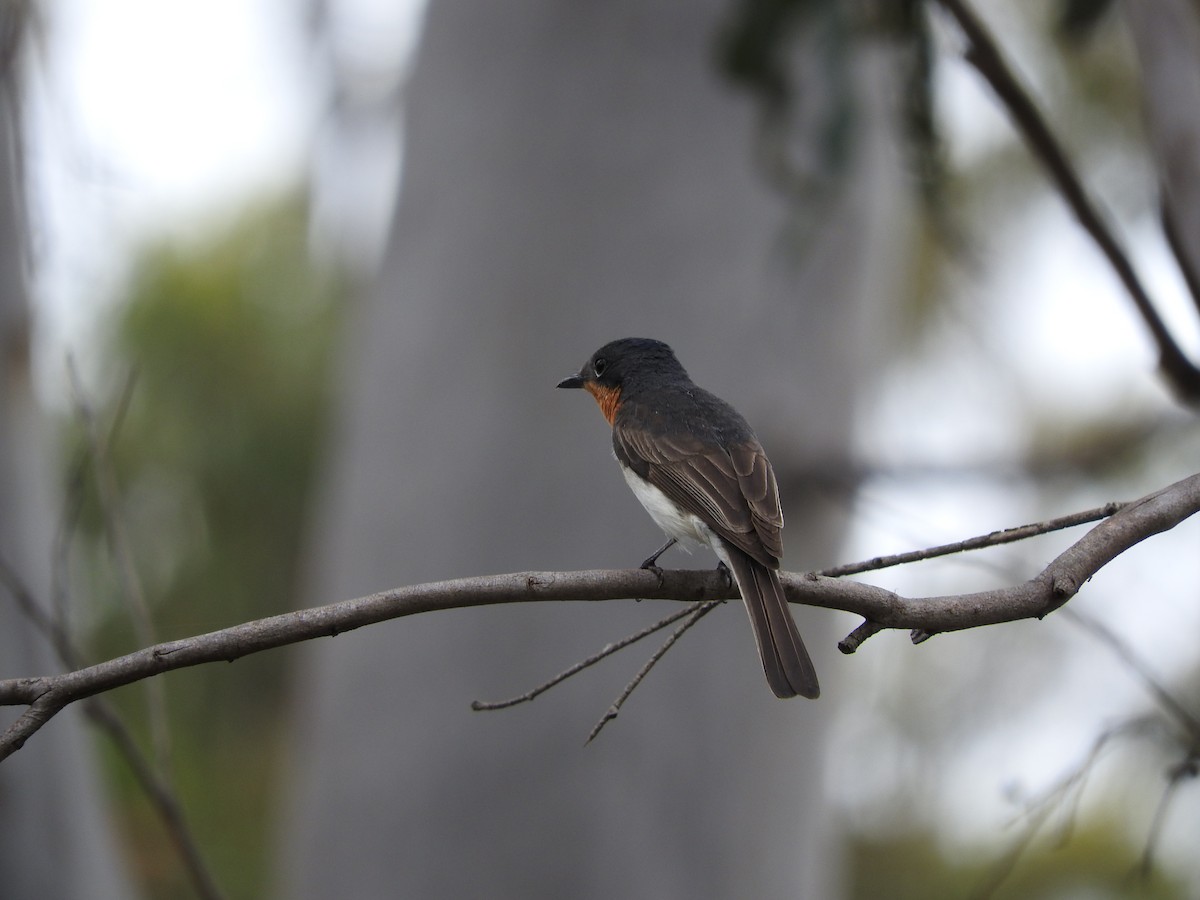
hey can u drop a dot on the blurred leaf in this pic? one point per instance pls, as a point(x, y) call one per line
point(923, 140)
point(752, 49)
point(1078, 19)
point(793, 57)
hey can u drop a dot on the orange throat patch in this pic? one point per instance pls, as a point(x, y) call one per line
point(609, 398)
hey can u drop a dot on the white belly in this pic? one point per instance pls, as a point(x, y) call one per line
point(685, 527)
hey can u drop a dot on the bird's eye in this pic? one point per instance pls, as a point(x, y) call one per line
point(599, 366)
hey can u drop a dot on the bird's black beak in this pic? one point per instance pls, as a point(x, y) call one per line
point(573, 381)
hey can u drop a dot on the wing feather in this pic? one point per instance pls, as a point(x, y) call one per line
point(731, 488)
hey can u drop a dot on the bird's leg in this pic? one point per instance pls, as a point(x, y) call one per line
point(649, 561)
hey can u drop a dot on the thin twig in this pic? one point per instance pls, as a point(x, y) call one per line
point(992, 539)
point(1177, 711)
point(60, 569)
point(28, 606)
point(1068, 793)
point(1038, 813)
point(161, 794)
point(984, 54)
point(121, 548)
point(110, 502)
point(606, 651)
point(698, 611)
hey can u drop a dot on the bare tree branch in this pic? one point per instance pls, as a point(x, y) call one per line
point(1041, 595)
point(984, 54)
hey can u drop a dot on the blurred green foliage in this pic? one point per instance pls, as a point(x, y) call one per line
point(1096, 861)
point(225, 343)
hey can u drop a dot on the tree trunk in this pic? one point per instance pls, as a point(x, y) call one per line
point(574, 173)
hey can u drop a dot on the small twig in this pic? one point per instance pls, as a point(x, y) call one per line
point(1039, 811)
point(984, 54)
point(606, 651)
point(28, 606)
point(1176, 710)
point(991, 539)
point(60, 570)
point(855, 639)
point(161, 794)
point(121, 548)
point(1068, 791)
point(697, 612)
point(110, 502)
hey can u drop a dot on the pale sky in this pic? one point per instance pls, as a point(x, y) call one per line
point(155, 118)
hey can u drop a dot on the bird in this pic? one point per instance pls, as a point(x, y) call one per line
point(700, 472)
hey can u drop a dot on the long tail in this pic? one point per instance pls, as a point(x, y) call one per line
point(785, 661)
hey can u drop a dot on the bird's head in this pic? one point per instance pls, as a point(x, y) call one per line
point(620, 365)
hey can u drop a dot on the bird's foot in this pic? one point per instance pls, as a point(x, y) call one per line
point(658, 572)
